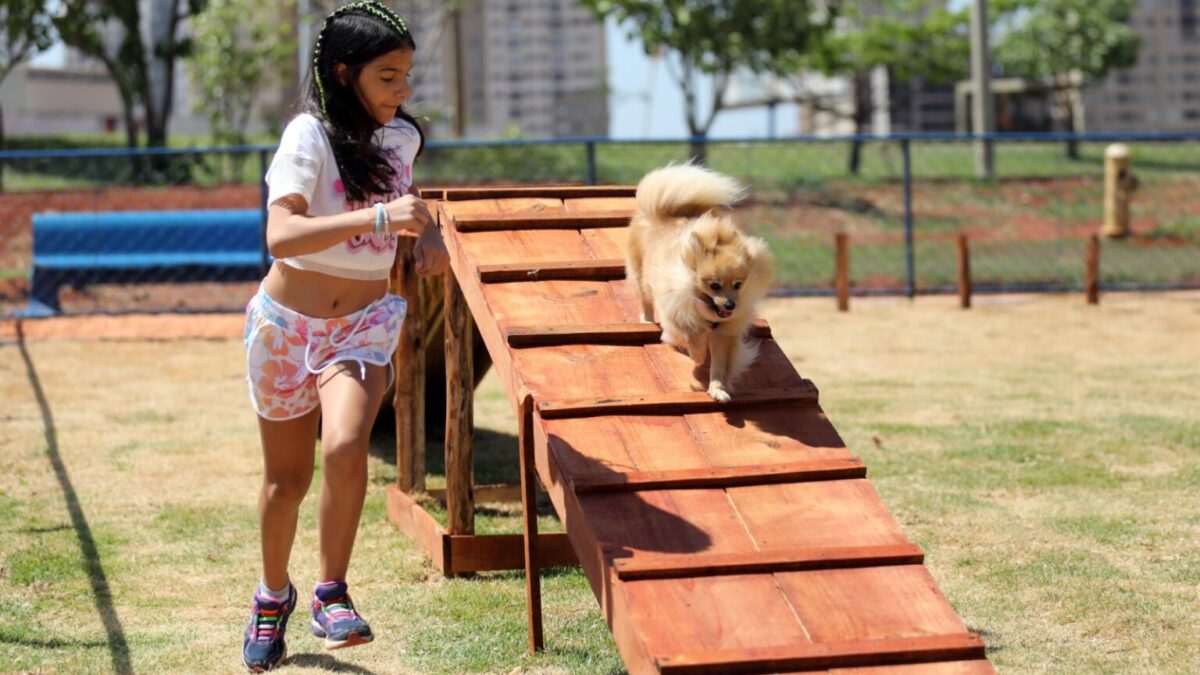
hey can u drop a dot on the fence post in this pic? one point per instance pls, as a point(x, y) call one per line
point(1091, 280)
point(590, 147)
point(909, 262)
point(262, 203)
point(964, 272)
point(841, 279)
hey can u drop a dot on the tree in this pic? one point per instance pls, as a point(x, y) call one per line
point(718, 37)
point(26, 32)
point(916, 40)
point(1070, 42)
point(239, 44)
point(138, 51)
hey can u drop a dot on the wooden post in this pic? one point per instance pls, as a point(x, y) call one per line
point(1091, 281)
point(460, 391)
point(408, 364)
point(841, 280)
point(964, 272)
point(1119, 184)
point(533, 579)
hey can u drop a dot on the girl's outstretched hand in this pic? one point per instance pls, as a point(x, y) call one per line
point(430, 253)
point(409, 212)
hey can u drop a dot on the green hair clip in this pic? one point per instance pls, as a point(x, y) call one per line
point(375, 9)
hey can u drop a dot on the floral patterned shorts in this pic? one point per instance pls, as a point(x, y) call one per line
point(286, 350)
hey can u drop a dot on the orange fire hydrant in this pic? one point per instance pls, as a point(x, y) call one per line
point(1119, 184)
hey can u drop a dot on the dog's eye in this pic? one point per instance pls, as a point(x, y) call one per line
point(737, 285)
point(716, 286)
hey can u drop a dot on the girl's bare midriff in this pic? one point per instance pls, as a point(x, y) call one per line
point(320, 295)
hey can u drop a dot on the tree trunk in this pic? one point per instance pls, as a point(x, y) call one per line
point(862, 115)
point(698, 149)
point(3, 146)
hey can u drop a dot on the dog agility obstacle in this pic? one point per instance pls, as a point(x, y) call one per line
point(732, 538)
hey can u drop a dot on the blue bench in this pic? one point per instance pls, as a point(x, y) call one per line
point(142, 246)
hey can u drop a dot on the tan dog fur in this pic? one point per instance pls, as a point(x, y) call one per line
point(689, 262)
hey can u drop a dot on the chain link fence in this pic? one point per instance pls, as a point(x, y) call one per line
point(180, 230)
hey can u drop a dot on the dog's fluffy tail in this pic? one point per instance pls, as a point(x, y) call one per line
point(685, 190)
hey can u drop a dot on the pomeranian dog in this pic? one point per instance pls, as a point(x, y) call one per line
point(696, 271)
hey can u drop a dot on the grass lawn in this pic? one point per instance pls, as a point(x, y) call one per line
point(1044, 454)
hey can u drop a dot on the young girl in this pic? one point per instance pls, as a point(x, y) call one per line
point(321, 330)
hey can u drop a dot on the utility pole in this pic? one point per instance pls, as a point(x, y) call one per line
point(460, 88)
point(303, 41)
point(983, 113)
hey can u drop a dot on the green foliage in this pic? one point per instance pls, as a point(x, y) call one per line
point(718, 37)
point(1051, 37)
point(238, 47)
point(26, 31)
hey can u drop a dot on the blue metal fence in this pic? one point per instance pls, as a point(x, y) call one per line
point(903, 199)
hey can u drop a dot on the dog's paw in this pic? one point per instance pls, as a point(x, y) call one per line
point(718, 393)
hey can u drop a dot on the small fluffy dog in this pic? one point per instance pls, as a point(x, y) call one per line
point(695, 270)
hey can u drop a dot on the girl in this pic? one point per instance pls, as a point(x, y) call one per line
point(321, 330)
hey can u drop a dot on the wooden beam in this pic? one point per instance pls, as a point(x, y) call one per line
point(541, 220)
point(765, 562)
point(581, 270)
point(533, 579)
point(841, 279)
point(484, 494)
point(551, 192)
point(721, 477)
point(408, 364)
point(415, 522)
point(675, 403)
point(599, 334)
point(460, 423)
point(822, 655)
point(491, 552)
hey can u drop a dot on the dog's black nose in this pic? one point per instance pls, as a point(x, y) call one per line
point(729, 304)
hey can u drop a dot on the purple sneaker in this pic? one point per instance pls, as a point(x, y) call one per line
point(335, 619)
point(263, 646)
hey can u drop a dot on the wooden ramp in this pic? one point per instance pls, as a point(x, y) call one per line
point(735, 538)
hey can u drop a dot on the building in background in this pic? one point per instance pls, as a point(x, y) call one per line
point(1162, 91)
point(533, 67)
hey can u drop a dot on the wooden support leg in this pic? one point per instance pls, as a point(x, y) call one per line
point(408, 365)
point(533, 580)
point(460, 391)
point(1091, 281)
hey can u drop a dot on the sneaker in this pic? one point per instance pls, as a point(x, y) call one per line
point(335, 619)
point(263, 647)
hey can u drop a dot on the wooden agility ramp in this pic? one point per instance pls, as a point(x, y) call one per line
point(741, 537)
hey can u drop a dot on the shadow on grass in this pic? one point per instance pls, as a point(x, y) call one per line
point(101, 593)
point(325, 662)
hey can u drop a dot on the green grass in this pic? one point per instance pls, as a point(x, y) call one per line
point(1045, 455)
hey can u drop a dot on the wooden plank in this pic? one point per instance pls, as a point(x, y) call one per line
point(971, 667)
point(724, 477)
point(841, 277)
point(558, 269)
point(616, 333)
point(820, 655)
point(1091, 272)
point(545, 220)
point(417, 525)
point(765, 562)
point(550, 191)
point(673, 403)
point(822, 513)
point(492, 552)
point(964, 272)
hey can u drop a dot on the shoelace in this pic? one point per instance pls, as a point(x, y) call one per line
point(266, 623)
point(340, 609)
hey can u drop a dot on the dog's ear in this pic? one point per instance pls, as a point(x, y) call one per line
point(693, 251)
point(762, 261)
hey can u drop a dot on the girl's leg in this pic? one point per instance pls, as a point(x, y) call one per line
point(288, 459)
point(349, 405)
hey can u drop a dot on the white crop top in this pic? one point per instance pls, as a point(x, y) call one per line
point(304, 165)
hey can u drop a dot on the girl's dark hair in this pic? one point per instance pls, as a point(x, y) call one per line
point(355, 34)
